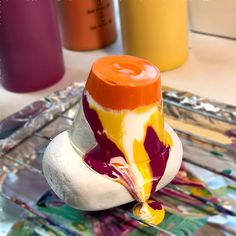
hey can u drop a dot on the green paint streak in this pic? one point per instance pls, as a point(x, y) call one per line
point(233, 187)
point(227, 171)
point(218, 154)
point(182, 226)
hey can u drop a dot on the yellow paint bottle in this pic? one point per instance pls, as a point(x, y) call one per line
point(156, 30)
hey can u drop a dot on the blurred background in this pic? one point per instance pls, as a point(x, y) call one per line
point(209, 69)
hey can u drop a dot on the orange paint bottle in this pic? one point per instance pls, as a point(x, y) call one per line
point(86, 24)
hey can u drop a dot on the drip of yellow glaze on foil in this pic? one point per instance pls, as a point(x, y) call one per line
point(149, 213)
point(138, 179)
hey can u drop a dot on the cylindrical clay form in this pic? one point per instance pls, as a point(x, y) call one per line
point(30, 47)
point(87, 24)
point(155, 30)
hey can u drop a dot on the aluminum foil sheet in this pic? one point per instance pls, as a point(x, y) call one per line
point(29, 153)
point(24, 123)
point(200, 111)
point(207, 131)
point(63, 99)
point(59, 125)
point(6, 167)
point(10, 214)
point(71, 112)
point(216, 119)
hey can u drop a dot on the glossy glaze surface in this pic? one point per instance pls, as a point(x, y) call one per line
point(133, 156)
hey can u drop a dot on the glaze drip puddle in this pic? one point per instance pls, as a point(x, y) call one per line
point(134, 156)
point(150, 210)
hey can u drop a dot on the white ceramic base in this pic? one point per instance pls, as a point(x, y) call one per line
point(85, 189)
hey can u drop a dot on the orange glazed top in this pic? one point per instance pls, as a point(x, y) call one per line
point(124, 82)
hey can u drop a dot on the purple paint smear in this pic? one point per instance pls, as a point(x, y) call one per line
point(158, 155)
point(155, 205)
point(100, 156)
point(231, 133)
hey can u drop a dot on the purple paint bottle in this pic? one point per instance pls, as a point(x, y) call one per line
point(30, 48)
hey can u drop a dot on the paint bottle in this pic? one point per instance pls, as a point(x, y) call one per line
point(30, 48)
point(87, 24)
point(156, 30)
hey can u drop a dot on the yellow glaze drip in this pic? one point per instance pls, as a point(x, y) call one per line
point(144, 211)
point(142, 162)
point(113, 123)
point(200, 192)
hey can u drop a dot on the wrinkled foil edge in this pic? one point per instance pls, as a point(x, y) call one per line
point(25, 122)
point(180, 105)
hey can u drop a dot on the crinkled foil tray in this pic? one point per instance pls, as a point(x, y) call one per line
point(208, 133)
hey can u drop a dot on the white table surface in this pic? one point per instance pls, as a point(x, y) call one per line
point(210, 71)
